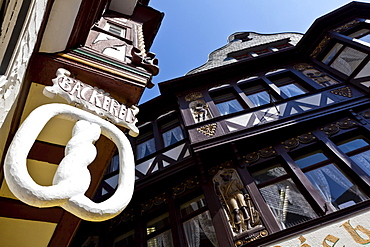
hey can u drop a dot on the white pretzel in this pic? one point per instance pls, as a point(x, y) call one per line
point(72, 177)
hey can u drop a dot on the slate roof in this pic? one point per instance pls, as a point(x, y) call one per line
point(244, 41)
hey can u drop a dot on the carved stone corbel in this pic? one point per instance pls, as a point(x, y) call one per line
point(148, 62)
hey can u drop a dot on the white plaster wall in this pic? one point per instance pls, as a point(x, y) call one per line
point(60, 24)
point(11, 81)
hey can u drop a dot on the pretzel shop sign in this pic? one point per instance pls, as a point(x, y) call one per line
point(93, 100)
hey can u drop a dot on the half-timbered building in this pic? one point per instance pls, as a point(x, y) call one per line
point(97, 52)
point(266, 144)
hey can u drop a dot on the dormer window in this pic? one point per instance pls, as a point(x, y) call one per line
point(256, 51)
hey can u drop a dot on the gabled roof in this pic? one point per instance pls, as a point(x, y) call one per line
point(244, 42)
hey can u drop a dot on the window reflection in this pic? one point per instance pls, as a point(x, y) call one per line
point(161, 240)
point(289, 86)
point(287, 204)
point(327, 59)
point(258, 95)
point(348, 60)
point(358, 149)
point(333, 185)
point(159, 224)
point(283, 197)
point(125, 240)
point(199, 231)
point(226, 103)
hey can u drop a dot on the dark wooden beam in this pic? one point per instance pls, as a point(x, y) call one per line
point(65, 230)
point(90, 12)
point(47, 152)
point(11, 208)
point(69, 224)
point(124, 90)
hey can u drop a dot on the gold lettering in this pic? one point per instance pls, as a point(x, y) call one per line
point(303, 239)
point(331, 239)
point(354, 234)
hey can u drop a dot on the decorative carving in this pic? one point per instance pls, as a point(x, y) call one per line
point(320, 47)
point(193, 96)
point(236, 201)
point(315, 75)
point(125, 216)
point(267, 152)
point(156, 201)
point(330, 129)
point(214, 170)
point(293, 143)
point(188, 184)
point(11, 81)
point(199, 110)
point(334, 128)
point(148, 62)
point(347, 124)
point(208, 130)
point(346, 26)
point(366, 114)
point(302, 66)
point(249, 239)
point(344, 91)
point(306, 138)
point(255, 156)
point(198, 107)
point(252, 157)
point(93, 100)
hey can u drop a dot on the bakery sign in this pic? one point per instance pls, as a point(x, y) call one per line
point(72, 177)
point(94, 100)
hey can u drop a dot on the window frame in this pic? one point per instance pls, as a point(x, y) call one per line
point(347, 41)
point(155, 127)
point(148, 133)
point(273, 96)
point(294, 80)
point(256, 194)
point(330, 160)
point(221, 91)
point(285, 156)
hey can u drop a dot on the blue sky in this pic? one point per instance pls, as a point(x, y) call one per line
point(191, 29)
